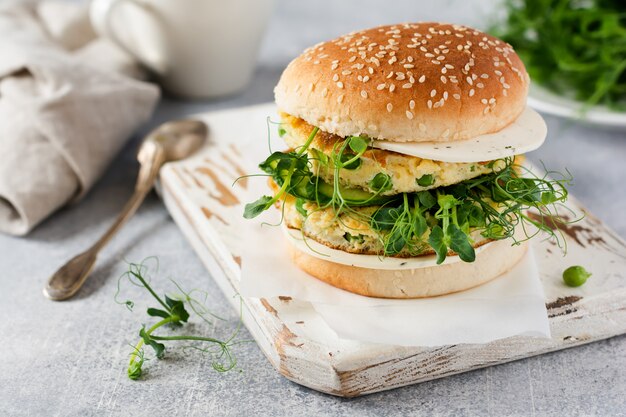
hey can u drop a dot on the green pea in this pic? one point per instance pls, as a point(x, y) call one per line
point(354, 238)
point(381, 182)
point(575, 276)
point(425, 180)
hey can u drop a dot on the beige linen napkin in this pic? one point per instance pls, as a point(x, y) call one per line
point(66, 109)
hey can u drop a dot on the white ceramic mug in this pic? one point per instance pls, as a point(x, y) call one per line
point(197, 48)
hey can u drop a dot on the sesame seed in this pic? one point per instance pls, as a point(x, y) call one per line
point(400, 76)
point(456, 96)
point(444, 70)
point(480, 85)
point(445, 95)
point(429, 55)
point(412, 104)
point(483, 100)
point(340, 84)
point(430, 104)
point(391, 88)
point(335, 77)
point(370, 70)
point(443, 79)
point(492, 100)
point(340, 99)
point(471, 92)
point(446, 133)
point(324, 92)
point(422, 127)
point(469, 80)
point(363, 93)
point(315, 62)
point(389, 107)
point(422, 79)
point(407, 85)
point(409, 115)
point(441, 58)
point(346, 72)
point(366, 78)
point(433, 93)
point(334, 67)
point(381, 86)
point(352, 59)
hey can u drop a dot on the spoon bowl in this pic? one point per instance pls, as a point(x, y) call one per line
point(179, 139)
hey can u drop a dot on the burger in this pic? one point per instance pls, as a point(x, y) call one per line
point(404, 160)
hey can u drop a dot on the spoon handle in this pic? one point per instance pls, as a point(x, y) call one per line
point(71, 276)
point(151, 157)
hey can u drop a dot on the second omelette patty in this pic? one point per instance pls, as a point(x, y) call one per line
point(408, 173)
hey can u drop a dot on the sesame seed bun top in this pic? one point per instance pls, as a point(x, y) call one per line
point(409, 83)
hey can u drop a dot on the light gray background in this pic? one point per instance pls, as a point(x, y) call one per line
point(69, 359)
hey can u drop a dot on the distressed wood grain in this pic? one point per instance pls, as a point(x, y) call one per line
point(203, 202)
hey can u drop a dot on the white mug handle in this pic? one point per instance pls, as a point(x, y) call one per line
point(101, 14)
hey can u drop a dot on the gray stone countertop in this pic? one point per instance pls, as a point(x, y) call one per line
point(69, 359)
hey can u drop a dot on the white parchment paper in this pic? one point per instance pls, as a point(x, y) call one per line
point(511, 305)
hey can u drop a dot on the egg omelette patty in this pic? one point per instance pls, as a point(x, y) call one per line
point(349, 231)
point(407, 173)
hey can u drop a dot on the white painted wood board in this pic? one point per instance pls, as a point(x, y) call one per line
point(200, 196)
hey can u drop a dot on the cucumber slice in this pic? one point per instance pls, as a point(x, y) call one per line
point(353, 196)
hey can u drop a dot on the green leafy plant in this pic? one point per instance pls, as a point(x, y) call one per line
point(174, 313)
point(443, 219)
point(571, 46)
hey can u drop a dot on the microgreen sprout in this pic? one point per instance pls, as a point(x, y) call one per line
point(173, 312)
point(571, 47)
point(440, 220)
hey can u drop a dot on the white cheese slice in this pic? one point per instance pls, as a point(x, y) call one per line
point(316, 249)
point(525, 134)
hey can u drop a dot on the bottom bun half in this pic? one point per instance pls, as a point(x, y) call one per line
point(497, 258)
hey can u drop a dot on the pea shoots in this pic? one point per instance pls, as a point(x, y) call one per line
point(571, 47)
point(173, 313)
point(442, 220)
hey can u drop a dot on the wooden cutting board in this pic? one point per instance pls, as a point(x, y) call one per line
point(201, 197)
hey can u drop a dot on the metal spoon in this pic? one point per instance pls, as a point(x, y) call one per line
point(169, 142)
